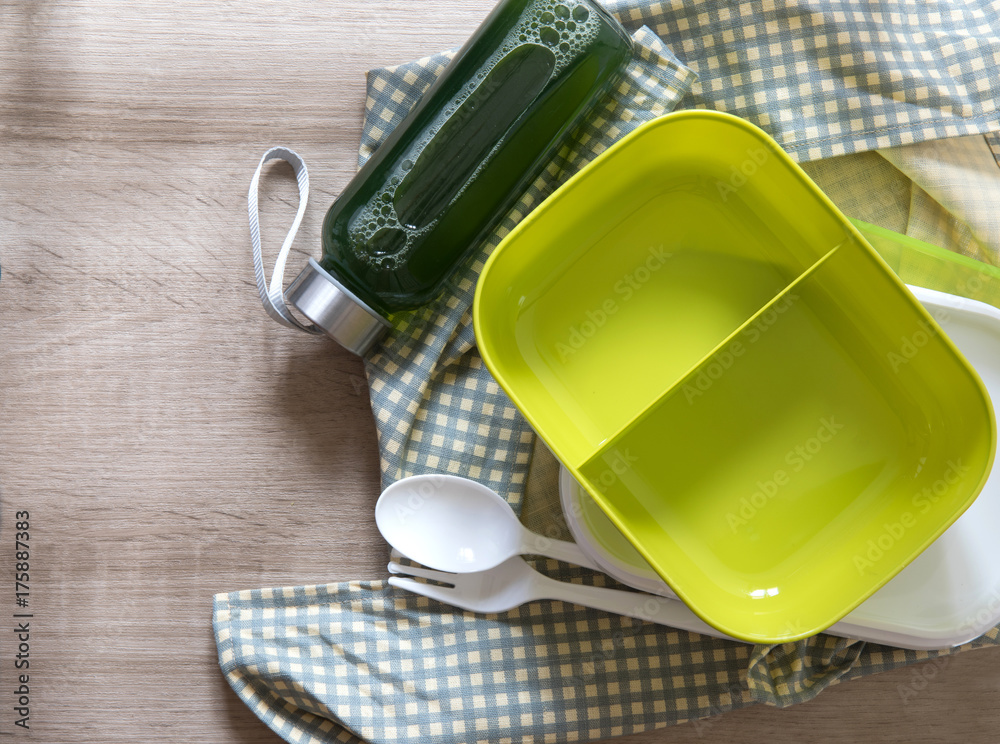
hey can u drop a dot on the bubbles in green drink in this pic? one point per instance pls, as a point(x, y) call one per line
point(394, 222)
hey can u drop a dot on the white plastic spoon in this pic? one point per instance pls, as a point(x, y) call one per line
point(456, 524)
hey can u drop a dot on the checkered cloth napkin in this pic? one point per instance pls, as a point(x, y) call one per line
point(361, 660)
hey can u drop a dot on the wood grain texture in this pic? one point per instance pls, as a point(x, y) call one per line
point(171, 441)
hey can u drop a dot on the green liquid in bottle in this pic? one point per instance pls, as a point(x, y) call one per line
point(476, 140)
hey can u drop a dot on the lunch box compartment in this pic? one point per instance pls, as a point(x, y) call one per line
point(736, 378)
point(633, 283)
point(792, 445)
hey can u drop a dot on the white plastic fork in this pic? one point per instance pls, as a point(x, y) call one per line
point(514, 583)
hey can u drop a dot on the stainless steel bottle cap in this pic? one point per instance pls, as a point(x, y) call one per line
point(335, 309)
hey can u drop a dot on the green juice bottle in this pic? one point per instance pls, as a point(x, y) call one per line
point(453, 168)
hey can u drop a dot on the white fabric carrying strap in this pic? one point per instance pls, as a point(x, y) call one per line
point(273, 296)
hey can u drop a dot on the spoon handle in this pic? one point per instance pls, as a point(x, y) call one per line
point(567, 552)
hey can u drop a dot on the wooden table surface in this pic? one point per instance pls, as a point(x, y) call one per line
point(168, 439)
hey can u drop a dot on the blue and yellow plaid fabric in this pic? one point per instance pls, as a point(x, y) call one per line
point(360, 660)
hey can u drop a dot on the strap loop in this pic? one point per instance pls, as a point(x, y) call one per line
point(273, 296)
